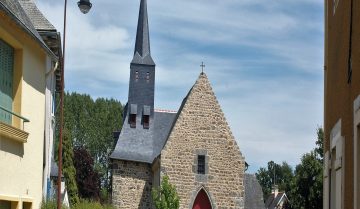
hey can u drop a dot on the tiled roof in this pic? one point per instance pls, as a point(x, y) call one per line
point(37, 18)
point(14, 9)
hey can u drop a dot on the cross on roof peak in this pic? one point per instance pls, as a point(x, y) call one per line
point(202, 67)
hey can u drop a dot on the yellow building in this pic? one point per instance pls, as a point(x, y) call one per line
point(342, 105)
point(27, 83)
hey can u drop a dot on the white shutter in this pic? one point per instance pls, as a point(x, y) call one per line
point(326, 182)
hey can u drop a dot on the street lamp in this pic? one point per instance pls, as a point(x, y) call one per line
point(84, 6)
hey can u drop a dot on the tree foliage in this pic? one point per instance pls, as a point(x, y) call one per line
point(165, 197)
point(307, 184)
point(91, 124)
point(275, 174)
point(69, 169)
point(307, 189)
point(303, 186)
point(87, 178)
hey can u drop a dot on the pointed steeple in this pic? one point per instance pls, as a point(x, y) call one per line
point(142, 53)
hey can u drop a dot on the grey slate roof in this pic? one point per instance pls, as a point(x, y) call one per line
point(253, 193)
point(18, 14)
point(143, 145)
point(37, 18)
point(142, 53)
point(272, 201)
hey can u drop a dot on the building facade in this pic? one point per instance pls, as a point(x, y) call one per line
point(342, 103)
point(29, 51)
point(193, 146)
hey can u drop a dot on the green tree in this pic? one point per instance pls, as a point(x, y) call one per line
point(280, 175)
point(69, 169)
point(165, 197)
point(91, 124)
point(307, 185)
point(319, 150)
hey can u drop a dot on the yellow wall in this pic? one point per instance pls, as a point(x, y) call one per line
point(21, 164)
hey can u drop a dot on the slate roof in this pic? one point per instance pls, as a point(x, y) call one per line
point(143, 145)
point(253, 193)
point(14, 10)
point(272, 202)
point(37, 18)
point(142, 53)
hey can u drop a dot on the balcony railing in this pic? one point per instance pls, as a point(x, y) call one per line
point(8, 130)
point(25, 120)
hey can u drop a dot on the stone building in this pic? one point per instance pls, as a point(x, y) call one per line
point(193, 146)
point(342, 105)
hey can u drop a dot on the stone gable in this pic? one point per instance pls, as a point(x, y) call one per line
point(201, 129)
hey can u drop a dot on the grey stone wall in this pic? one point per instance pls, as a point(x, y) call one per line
point(201, 128)
point(131, 186)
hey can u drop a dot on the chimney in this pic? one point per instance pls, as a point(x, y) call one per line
point(275, 190)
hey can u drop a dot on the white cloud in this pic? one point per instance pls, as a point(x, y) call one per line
point(263, 58)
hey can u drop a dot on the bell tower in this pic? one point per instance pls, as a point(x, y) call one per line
point(142, 74)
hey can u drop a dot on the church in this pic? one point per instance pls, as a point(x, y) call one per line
point(193, 146)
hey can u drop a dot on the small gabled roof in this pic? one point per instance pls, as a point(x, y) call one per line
point(15, 11)
point(272, 202)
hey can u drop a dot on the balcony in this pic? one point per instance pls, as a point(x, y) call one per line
point(9, 131)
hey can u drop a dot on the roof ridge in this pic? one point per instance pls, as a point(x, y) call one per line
point(165, 110)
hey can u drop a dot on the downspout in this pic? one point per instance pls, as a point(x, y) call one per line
point(47, 132)
point(53, 70)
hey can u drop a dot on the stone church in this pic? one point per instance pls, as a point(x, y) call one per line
point(193, 146)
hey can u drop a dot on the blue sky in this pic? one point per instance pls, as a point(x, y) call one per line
point(263, 58)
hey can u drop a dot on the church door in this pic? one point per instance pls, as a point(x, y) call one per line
point(202, 201)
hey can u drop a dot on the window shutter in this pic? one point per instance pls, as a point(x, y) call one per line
point(6, 81)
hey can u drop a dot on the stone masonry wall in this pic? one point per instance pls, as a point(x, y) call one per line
point(201, 129)
point(131, 184)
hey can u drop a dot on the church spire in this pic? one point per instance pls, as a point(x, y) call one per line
point(142, 53)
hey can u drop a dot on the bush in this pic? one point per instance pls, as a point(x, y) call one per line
point(165, 197)
point(85, 204)
point(51, 204)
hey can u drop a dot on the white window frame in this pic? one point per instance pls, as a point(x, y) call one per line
point(357, 152)
point(333, 172)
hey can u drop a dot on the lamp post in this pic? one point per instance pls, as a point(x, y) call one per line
point(84, 6)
